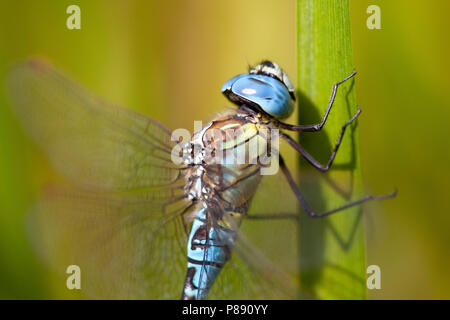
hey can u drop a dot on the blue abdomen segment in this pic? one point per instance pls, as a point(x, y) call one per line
point(267, 93)
point(207, 252)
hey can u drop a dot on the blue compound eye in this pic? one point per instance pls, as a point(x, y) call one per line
point(264, 92)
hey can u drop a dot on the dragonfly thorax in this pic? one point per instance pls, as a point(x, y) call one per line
point(221, 155)
point(196, 188)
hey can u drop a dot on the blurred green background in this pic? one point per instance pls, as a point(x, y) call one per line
point(169, 60)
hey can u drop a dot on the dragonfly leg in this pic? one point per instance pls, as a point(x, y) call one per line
point(317, 126)
point(272, 216)
point(308, 208)
point(310, 158)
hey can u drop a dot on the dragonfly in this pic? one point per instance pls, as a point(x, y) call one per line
point(146, 214)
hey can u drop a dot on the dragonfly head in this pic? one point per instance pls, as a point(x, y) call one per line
point(272, 69)
point(266, 87)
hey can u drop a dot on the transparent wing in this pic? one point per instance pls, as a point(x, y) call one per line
point(252, 274)
point(128, 246)
point(123, 222)
point(265, 261)
point(94, 143)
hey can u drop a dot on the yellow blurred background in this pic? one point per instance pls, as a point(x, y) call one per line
point(169, 60)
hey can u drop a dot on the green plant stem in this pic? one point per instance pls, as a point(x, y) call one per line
point(332, 253)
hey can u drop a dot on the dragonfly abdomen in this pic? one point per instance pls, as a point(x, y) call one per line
point(209, 248)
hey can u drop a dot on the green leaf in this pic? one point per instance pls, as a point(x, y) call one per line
point(332, 252)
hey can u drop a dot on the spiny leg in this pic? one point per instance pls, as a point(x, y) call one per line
point(310, 158)
point(317, 126)
point(312, 161)
point(308, 208)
